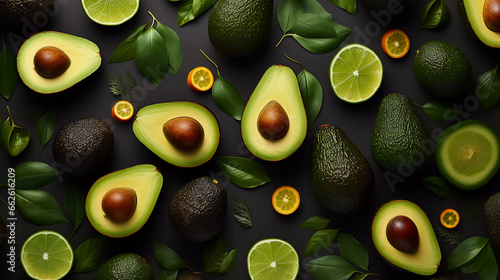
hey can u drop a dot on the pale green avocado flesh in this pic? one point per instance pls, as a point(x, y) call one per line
point(148, 128)
point(474, 11)
point(278, 83)
point(426, 260)
point(85, 59)
point(144, 179)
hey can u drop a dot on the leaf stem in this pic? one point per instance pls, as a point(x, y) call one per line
point(216, 67)
point(10, 117)
point(284, 35)
point(293, 60)
point(154, 18)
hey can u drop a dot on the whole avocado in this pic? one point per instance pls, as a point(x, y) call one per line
point(491, 214)
point(198, 209)
point(84, 145)
point(126, 266)
point(240, 28)
point(13, 12)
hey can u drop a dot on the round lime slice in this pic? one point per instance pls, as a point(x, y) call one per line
point(272, 259)
point(110, 12)
point(355, 73)
point(46, 255)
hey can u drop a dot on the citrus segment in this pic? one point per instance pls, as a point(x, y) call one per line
point(110, 12)
point(449, 218)
point(285, 200)
point(46, 255)
point(122, 111)
point(200, 79)
point(272, 259)
point(395, 43)
point(355, 73)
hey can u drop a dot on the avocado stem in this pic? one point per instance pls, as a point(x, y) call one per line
point(216, 67)
point(293, 60)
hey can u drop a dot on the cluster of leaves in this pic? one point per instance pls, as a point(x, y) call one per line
point(435, 14)
point(439, 111)
point(15, 138)
point(8, 72)
point(216, 259)
point(119, 84)
point(313, 27)
point(242, 212)
point(353, 256)
point(437, 185)
point(474, 255)
point(156, 51)
point(191, 9)
point(488, 89)
point(243, 172)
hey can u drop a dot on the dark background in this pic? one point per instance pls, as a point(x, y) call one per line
point(93, 98)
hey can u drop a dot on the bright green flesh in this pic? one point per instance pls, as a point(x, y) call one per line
point(355, 73)
point(468, 154)
point(110, 12)
point(46, 255)
point(272, 259)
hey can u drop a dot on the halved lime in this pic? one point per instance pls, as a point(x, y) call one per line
point(110, 12)
point(272, 259)
point(46, 255)
point(355, 73)
point(468, 154)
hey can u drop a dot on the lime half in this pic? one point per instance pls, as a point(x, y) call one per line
point(110, 12)
point(46, 255)
point(272, 259)
point(355, 73)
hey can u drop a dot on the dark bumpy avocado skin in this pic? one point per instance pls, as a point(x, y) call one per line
point(12, 12)
point(198, 209)
point(341, 176)
point(239, 28)
point(491, 214)
point(84, 145)
point(127, 266)
point(398, 137)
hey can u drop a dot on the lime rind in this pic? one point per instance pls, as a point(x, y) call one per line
point(272, 259)
point(110, 12)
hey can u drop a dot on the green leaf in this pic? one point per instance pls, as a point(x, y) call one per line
point(39, 207)
point(168, 275)
point(168, 258)
point(243, 172)
point(435, 14)
point(200, 6)
point(228, 98)
point(185, 12)
point(477, 263)
point(288, 11)
point(324, 267)
point(88, 254)
point(151, 56)
point(348, 5)
point(216, 259)
point(439, 111)
point(173, 45)
point(311, 26)
point(314, 7)
point(33, 174)
point(74, 202)
point(15, 138)
point(45, 127)
point(324, 45)
point(8, 73)
point(352, 250)
point(316, 223)
point(437, 185)
point(490, 269)
point(466, 251)
point(126, 49)
point(320, 240)
point(312, 95)
point(360, 277)
point(488, 89)
point(228, 261)
point(242, 212)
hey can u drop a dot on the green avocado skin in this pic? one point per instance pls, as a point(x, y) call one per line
point(398, 137)
point(491, 215)
point(239, 28)
point(198, 209)
point(127, 266)
point(341, 177)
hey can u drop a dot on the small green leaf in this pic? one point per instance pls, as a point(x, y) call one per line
point(435, 14)
point(39, 207)
point(316, 223)
point(288, 11)
point(324, 45)
point(314, 7)
point(477, 263)
point(320, 240)
point(466, 251)
point(311, 26)
point(439, 111)
point(352, 250)
point(173, 45)
point(74, 202)
point(312, 95)
point(490, 269)
point(15, 138)
point(126, 49)
point(168, 258)
point(437, 185)
point(8, 72)
point(324, 267)
point(348, 5)
point(243, 172)
point(242, 212)
point(228, 261)
point(88, 254)
point(151, 56)
point(168, 274)
point(488, 89)
point(200, 6)
point(216, 259)
point(185, 12)
point(228, 98)
point(33, 174)
point(45, 127)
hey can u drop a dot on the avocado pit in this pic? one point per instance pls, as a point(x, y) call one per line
point(184, 133)
point(51, 62)
point(119, 204)
point(273, 122)
point(402, 233)
point(491, 14)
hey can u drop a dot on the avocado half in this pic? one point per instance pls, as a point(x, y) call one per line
point(146, 180)
point(426, 260)
point(471, 14)
point(85, 59)
point(148, 128)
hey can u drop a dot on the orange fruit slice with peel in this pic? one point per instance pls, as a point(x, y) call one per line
point(122, 111)
point(449, 218)
point(286, 200)
point(200, 79)
point(395, 43)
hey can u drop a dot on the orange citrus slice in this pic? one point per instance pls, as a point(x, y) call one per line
point(200, 79)
point(286, 200)
point(395, 43)
point(449, 218)
point(122, 111)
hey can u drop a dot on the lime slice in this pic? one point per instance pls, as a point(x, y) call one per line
point(46, 255)
point(272, 259)
point(110, 12)
point(355, 73)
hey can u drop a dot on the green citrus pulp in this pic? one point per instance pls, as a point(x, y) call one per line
point(272, 259)
point(110, 12)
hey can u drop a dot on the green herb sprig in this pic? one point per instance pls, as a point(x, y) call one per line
point(450, 236)
point(242, 212)
point(119, 84)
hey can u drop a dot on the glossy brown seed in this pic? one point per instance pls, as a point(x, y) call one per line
point(119, 204)
point(184, 133)
point(51, 62)
point(491, 14)
point(273, 122)
point(402, 233)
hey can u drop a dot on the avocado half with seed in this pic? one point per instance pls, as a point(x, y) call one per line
point(50, 61)
point(477, 18)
